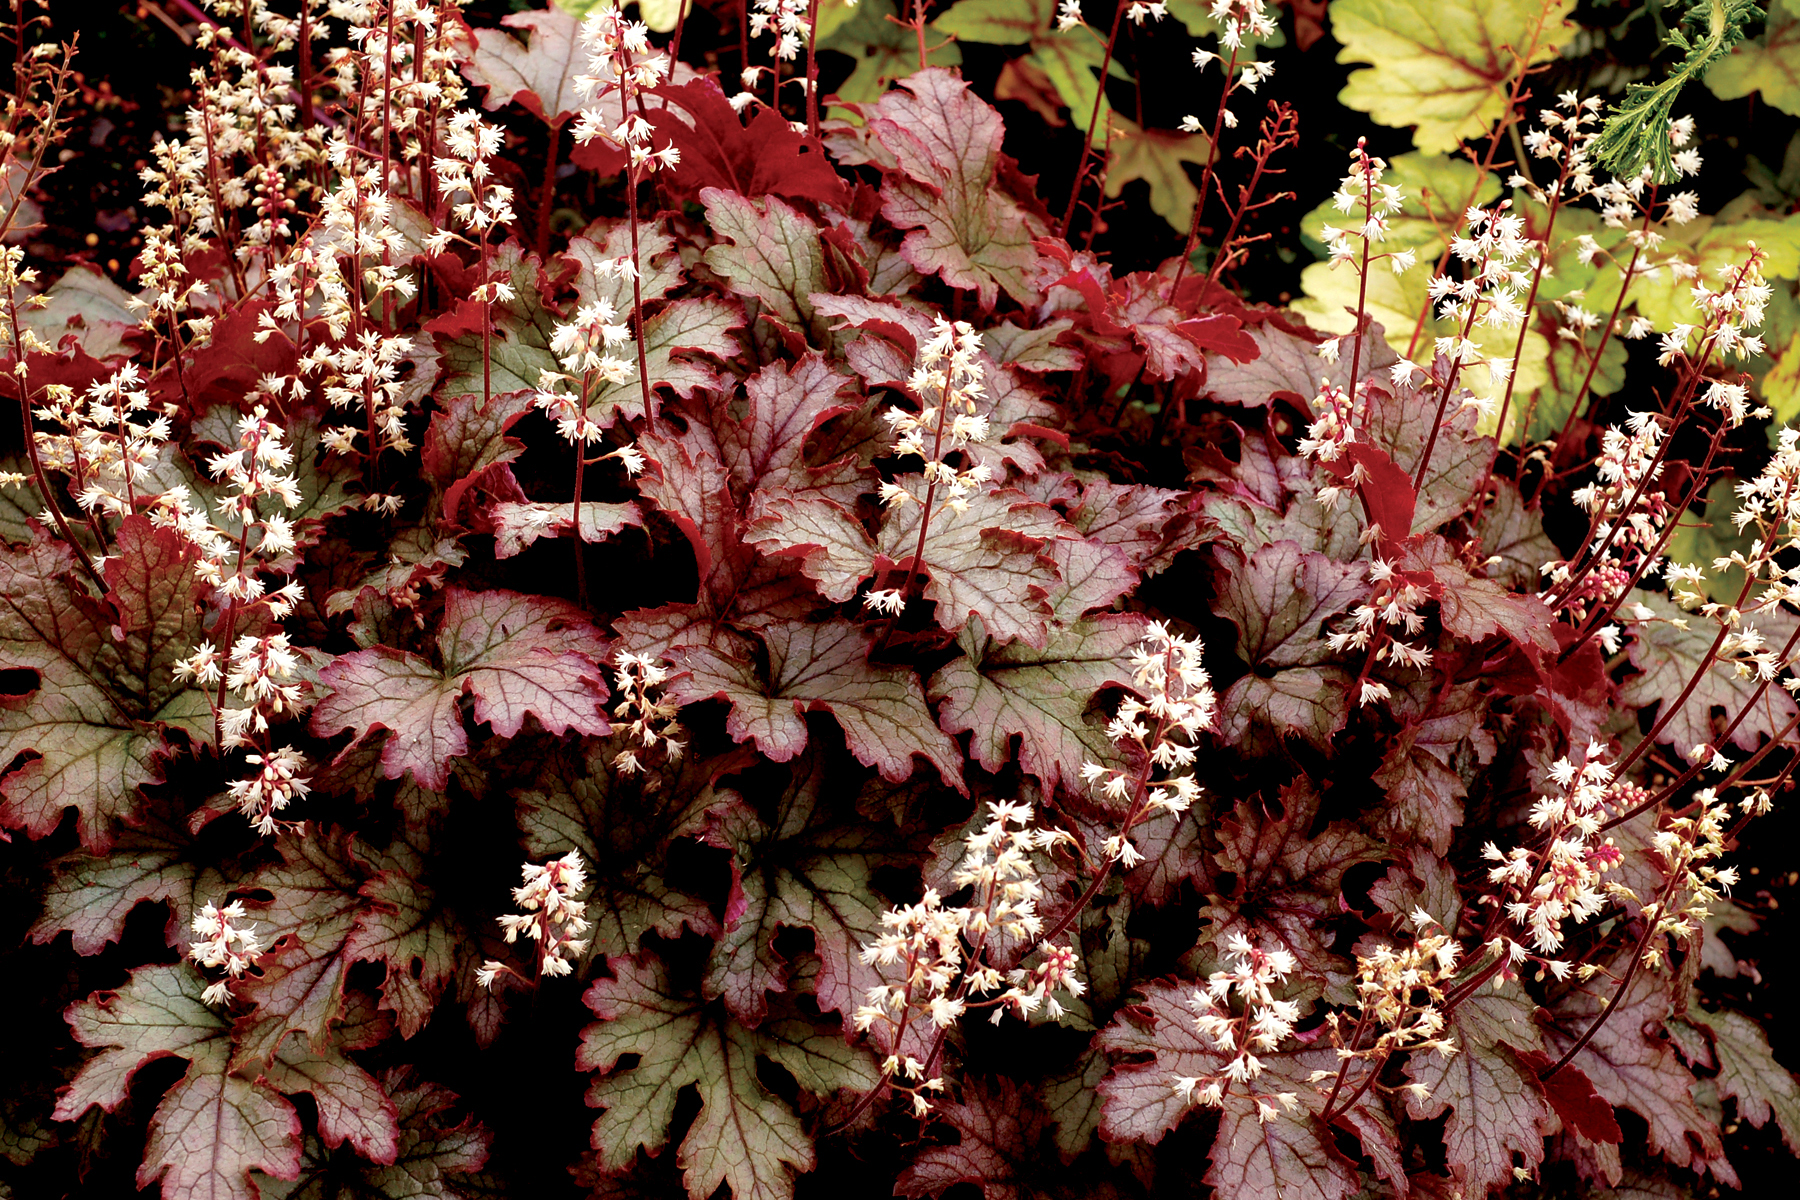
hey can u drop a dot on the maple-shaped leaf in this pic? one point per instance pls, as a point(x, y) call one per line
point(306, 927)
point(466, 438)
point(1399, 421)
point(433, 1148)
point(742, 1137)
point(1767, 65)
point(1443, 67)
point(519, 344)
point(692, 488)
point(538, 73)
point(790, 503)
point(1441, 735)
point(512, 654)
point(1042, 696)
point(1288, 364)
point(1498, 1109)
point(1749, 1074)
point(883, 50)
point(1150, 524)
point(85, 734)
point(1000, 1129)
point(770, 251)
point(1280, 597)
point(351, 1105)
point(581, 801)
point(151, 861)
point(822, 668)
point(987, 561)
point(1159, 157)
point(796, 866)
point(213, 1127)
point(945, 143)
point(1474, 608)
point(1288, 1155)
point(1069, 61)
point(1149, 314)
point(518, 524)
point(407, 930)
point(1633, 1067)
point(765, 157)
point(1669, 656)
point(1289, 882)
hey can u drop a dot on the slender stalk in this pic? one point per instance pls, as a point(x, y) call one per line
point(812, 67)
point(1637, 959)
point(1087, 140)
point(1437, 421)
point(1212, 159)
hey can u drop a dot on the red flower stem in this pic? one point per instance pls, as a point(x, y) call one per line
point(1212, 158)
point(812, 67)
point(1637, 959)
point(1087, 140)
point(1437, 422)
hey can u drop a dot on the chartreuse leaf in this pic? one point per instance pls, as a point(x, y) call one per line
point(1251, 1158)
point(882, 50)
point(213, 1127)
point(1443, 66)
point(1160, 158)
point(1069, 60)
point(742, 1137)
point(1770, 65)
point(512, 654)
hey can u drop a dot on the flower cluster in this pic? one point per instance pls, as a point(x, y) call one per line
point(645, 715)
point(1563, 880)
point(948, 380)
point(1399, 990)
point(620, 62)
point(1380, 624)
point(227, 943)
point(552, 914)
point(941, 954)
point(1235, 19)
point(1156, 731)
point(1238, 1013)
point(1362, 188)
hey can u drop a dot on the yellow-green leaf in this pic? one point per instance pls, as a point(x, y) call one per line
point(1443, 66)
point(1770, 65)
point(1156, 156)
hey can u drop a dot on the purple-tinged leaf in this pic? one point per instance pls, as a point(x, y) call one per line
point(212, 1128)
point(820, 668)
point(514, 655)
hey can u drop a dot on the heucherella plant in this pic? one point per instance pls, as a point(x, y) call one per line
point(636, 531)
